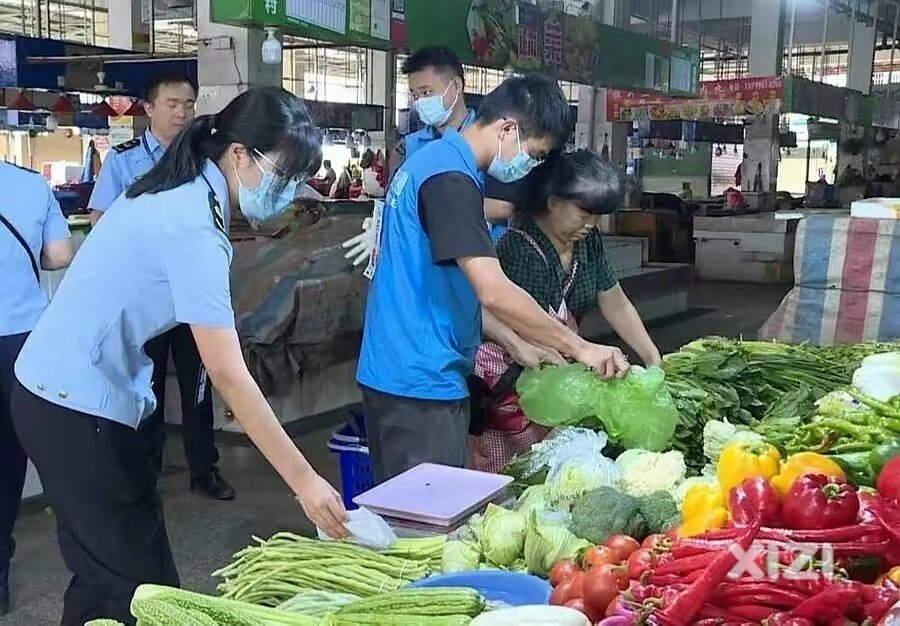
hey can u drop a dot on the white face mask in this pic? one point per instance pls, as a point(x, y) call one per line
point(431, 110)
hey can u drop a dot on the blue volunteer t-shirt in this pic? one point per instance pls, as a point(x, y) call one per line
point(423, 318)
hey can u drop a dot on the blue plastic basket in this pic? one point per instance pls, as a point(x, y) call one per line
point(349, 444)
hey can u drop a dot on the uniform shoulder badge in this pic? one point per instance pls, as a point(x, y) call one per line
point(128, 145)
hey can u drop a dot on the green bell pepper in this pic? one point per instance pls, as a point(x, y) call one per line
point(880, 455)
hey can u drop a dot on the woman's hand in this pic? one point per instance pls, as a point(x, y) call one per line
point(532, 356)
point(653, 359)
point(323, 506)
point(607, 361)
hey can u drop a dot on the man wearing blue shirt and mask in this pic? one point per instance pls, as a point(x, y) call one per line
point(33, 235)
point(170, 106)
point(435, 270)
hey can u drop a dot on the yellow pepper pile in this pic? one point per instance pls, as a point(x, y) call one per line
point(705, 507)
point(802, 463)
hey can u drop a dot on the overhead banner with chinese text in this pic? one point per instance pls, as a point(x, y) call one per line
point(718, 100)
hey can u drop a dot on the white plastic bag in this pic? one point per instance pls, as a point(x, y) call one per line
point(879, 376)
point(366, 529)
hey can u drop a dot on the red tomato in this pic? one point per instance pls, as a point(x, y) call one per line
point(599, 590)
point(623, 545)
point(561, 594)
point(618, 572)
point(639, 562)
point(576, 585)
point(598, 555)
point(563, 571)
point(655, 541)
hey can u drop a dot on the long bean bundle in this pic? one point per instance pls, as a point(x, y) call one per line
point(277, 569)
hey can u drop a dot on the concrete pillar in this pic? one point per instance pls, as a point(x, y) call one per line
point(229, 61)
point(381, 89)
point(862, 56)
point(127, 28)
point(766, 20)
point(761, 146)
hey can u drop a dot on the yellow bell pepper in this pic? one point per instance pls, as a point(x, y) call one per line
point(802, 463)
point(744, 460)
point(893, 576)
point(703, 509)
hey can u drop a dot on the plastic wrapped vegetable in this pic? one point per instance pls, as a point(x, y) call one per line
point(460, 556)
point(547, 542)
point(578, 477)
point(502, 535)
point(638, 411)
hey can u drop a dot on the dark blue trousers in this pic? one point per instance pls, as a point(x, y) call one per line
point(12, 457)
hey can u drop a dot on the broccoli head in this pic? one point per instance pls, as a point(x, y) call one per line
point(605, 511)
point(659, 511)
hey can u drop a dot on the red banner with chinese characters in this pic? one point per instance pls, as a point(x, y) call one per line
point(738, 97)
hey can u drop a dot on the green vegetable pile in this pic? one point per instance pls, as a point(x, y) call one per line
point(857, 431)
point(746, 381)
point(277, 569)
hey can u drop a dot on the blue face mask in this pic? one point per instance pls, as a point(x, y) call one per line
point(431, 110)
point(516, 168)
point(262, 203)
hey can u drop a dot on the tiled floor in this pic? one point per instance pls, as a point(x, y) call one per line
point(205, 533)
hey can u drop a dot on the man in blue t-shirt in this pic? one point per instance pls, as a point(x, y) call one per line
point(437, 267)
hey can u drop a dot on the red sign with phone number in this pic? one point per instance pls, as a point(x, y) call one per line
point(718, 99)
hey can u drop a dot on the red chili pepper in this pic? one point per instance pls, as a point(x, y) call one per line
point(685, 607)
point(815, 501)
point(785, 619)
point(752, 501)
point(670, 579)
point(835, 601)
point(714, 540)
point(782, 599)
point(686, 564)
point(751, 612)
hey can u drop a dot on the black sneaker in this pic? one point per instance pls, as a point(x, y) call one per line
point(213, 486)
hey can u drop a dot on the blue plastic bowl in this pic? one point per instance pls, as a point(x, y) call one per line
point(513, 588)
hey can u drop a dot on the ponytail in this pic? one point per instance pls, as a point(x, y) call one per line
point(183, 161)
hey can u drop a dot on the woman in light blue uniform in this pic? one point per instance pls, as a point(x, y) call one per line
point(33, 234)
point(159, 257)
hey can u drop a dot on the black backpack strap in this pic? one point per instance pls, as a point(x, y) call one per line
point(24, 244)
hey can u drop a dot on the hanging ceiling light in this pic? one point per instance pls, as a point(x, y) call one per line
point(21, 103)
point(136, 109)
point(104, 110)
point(62, 105)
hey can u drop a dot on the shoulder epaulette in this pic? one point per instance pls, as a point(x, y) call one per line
point(23, 168)
point(128, 145)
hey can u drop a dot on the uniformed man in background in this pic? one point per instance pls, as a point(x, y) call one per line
point(33, 235)
point(170, 106)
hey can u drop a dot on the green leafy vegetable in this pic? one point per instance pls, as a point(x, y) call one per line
point(502, 535)
point(547, 542)
point(460, 556)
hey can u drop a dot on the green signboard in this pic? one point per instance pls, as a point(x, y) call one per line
point(501, 34)
point(365, 23)
point(518, 35)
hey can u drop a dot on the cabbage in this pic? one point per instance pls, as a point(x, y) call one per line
point(549, 542)
point(502, 535)
point(719, 435)
point(576, 478)
point(460, 556)
point(533, 499)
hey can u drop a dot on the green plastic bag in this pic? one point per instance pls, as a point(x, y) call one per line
point(558, 396)
point(636, 412)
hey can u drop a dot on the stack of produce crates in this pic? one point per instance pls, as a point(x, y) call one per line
point(352, 449)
